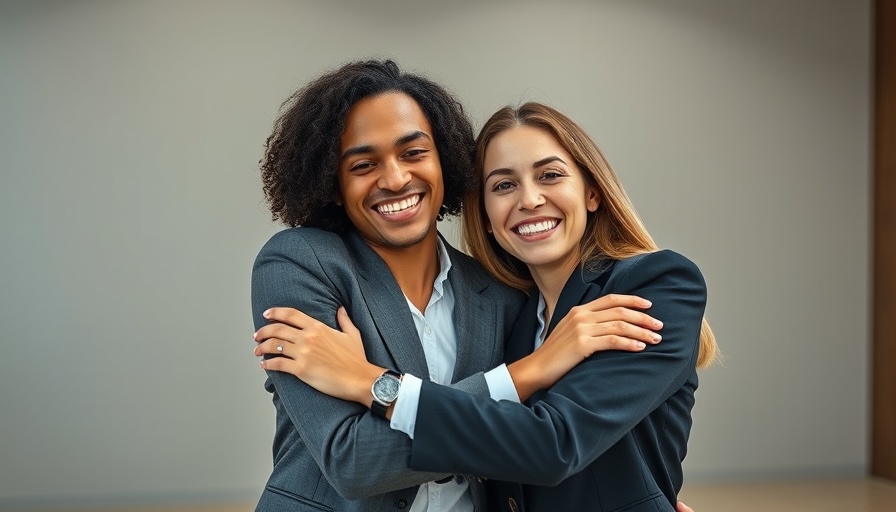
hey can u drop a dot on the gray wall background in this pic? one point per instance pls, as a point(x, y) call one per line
point(131, 211)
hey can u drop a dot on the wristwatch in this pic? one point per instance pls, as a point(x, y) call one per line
point(384, 391)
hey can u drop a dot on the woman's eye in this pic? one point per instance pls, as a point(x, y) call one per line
point(414, 153)
point(551, 175)
point(504, 185)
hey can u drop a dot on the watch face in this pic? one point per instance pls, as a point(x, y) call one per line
point(386, 388)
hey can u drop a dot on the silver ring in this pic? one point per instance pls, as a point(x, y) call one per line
point(279, 348)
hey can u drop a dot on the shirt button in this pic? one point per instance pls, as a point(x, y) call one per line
point(512, 504)
point(401, 503)
point(427, 330)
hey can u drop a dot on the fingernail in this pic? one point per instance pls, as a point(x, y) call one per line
point(657, 324)
point(261, 363)
point(641, 344)
point(646, 303)
point(255, 351)
point(255, 336)
point(266, 314)
point(657, 337)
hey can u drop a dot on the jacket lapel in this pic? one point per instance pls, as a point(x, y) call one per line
point(584, 285)
point(589, 280)
point(522, 337)
point(475, 318)
point(382, 294)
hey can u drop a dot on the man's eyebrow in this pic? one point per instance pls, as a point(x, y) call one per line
point(404, 139)
point(357, 150)
point(412, 137)
point(545, 161)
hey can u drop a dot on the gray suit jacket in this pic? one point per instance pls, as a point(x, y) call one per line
point(330, 454)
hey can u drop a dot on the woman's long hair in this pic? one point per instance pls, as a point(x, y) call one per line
point(614, 231)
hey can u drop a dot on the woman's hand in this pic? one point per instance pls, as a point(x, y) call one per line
point(611, 322)
point(330, 361)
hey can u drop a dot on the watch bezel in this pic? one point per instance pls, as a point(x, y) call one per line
point(386, 395)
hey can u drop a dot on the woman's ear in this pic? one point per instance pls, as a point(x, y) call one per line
point(488, 226)
point(337, 200)
point(593, 199)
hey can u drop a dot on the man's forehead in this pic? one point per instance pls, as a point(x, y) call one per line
point(385, 119)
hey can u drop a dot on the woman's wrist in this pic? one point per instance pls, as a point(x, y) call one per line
point(526, 376)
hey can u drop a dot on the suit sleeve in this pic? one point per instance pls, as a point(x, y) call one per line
point(359, 454)
point(588, 410)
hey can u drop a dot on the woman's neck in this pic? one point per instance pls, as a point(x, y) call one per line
point(550, 280)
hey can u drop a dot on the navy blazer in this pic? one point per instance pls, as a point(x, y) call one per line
point(611, 434)
point(330, 454)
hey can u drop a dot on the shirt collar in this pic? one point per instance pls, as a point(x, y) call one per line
point(539, 314)
point(444, 266)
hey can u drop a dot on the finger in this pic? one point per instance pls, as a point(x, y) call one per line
point(624, 314)
point(625, 329)
point(345, 323)
point(273, 346)
point(637, 317)
point(279, 364)
point(614, 342)
point(683, 508)
point(289, 316)
point(279, 330)
point(617, 300)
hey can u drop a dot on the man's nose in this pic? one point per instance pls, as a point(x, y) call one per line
point(393, 176)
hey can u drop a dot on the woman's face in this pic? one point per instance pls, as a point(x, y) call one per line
point(536, 198)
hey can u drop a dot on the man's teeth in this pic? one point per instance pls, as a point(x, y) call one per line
point(404, 204)
point(538, 227)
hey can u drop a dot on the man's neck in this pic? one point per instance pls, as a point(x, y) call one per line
point(415, 268)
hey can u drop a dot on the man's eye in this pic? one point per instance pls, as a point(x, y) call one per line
point(361, 166)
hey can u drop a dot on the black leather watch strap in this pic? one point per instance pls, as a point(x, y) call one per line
point(379, 407)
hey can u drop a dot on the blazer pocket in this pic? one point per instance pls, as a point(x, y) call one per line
point(275, 499)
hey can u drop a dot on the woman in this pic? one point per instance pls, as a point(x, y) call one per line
point(610, 434)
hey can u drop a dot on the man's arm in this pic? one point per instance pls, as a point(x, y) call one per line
point(344, 438)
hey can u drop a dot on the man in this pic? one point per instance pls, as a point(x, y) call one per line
point(371, 157)
point(366, 159)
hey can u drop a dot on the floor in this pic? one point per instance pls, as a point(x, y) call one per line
point(863, 495)
point(868, 495)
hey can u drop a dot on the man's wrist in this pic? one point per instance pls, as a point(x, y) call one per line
point(384, 392)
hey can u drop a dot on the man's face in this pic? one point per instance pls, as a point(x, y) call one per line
point(390, 178)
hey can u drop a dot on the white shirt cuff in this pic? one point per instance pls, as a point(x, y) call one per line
point(500, 385)
point(404, 411)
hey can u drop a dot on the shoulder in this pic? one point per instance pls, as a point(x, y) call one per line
point(652, 265)
point(662, 259)
point(302, 241)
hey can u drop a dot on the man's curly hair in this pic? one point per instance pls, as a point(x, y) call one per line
point(301, 156)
